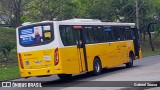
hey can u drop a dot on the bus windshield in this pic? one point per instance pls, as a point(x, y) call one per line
point(35, 35)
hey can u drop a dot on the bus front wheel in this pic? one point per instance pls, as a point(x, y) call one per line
point(64, 76)
point(97, 67)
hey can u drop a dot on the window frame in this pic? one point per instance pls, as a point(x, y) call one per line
point(36, 25)
point(66, 44)
point(93, 40)
point(112, 34)
point(131, 33)
point(94, 32)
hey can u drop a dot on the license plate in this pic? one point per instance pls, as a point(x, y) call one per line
point(37, 62)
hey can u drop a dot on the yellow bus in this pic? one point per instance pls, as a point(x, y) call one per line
point(75, 46)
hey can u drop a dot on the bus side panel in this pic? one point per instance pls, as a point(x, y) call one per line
point(114, 54)
point(130, 47)
point(109, 54)
point(119, 53)
point(126, 47)
point(69, 59)
point(124, 52)
point(98, 50)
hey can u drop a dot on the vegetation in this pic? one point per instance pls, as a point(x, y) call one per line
point(146, 48)
point(7, 45)
point(9, 71)
point(16, 12)
point(8, 57)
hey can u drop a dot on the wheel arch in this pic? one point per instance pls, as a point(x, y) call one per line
point(99, 59)
point(131, 53)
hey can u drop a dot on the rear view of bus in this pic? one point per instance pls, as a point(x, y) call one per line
point(35, 49)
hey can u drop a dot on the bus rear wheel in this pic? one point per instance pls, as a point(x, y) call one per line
point(97, 67)
point(130, 63)
point(64, 76)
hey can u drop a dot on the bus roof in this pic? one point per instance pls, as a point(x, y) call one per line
point(83, 22)
point(92, 22)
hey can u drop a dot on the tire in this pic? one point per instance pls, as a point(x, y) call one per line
point(130, 63)
point(65, 76)
point(97, 67)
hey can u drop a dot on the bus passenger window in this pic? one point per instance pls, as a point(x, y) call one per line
point(108, 34)
point(89, 35)
point(128, 34)
point(116, 33)
point(67, 35)
point(95, 34)
point(99, 34)
point(86, 34)
point(121, 32)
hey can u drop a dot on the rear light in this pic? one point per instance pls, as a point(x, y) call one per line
point(56, 57)
point(20, 61)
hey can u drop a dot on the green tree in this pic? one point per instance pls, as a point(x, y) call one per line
point(12, 11)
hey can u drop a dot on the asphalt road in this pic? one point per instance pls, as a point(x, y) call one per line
point(147, 69)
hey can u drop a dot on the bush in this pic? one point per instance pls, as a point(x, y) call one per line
point(6, 47)
point(7, 44)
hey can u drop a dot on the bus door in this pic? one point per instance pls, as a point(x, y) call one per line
point(136, 42)
point(72, 55)
point(80, 41)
